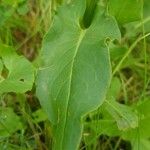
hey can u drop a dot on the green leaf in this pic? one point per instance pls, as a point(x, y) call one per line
point(114, 88)
point(126, 10)
point(20, 76)
point(76, 71)
point(142, 144)
point(9, 122)
point(106, 125)
point(5, 14)
point(39, 116)
point(12, 3)
point(7, 9)
point(23, 9)
point(143, 130)
point(146, 19)
point(123, 115)
point(102, 126)
point(96, 128)
point(1, 66)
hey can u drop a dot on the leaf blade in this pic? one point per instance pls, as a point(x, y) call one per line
point(70, 83)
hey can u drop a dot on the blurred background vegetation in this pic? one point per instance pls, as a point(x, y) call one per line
point(23, 124)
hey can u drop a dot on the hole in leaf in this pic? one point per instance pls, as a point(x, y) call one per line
point(22, 80)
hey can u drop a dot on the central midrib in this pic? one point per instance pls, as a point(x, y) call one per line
point(81, 36)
